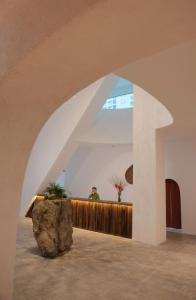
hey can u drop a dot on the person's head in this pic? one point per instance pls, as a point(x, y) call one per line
point(94, 190)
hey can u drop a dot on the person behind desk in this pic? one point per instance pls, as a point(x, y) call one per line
point(94, 195)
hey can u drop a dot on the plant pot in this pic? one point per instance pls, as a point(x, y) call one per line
point(52, 226)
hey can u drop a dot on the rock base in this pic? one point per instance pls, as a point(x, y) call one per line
point(52, 226)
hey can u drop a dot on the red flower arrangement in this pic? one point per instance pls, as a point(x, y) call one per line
point(119, 185)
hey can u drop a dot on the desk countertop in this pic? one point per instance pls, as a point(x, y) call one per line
point(102, 201)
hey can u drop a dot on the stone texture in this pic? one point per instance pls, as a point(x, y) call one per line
point(52, 226)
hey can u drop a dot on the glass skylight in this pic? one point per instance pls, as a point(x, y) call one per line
point(119, 102)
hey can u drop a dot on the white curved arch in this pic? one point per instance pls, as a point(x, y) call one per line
point(56, 142)
point(155, 111)
point(164, 117)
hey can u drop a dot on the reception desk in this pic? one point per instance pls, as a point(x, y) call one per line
point(98, 215)
point(103, 216)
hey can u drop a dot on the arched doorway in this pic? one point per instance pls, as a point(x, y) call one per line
point(173, 204)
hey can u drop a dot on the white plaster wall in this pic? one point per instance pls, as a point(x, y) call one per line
point(56, 143)
point(53, 136)
point(181, 166)
point(149, 218)
point(33, 90)
point(110, 127)
point(94, 166)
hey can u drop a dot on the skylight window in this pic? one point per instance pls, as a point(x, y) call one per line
point(119, 102)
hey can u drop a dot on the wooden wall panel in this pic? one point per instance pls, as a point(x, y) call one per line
point(103, 216)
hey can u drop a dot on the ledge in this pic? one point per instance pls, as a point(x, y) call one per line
point(102, 201)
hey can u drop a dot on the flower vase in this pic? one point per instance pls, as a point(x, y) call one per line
point(119, 196)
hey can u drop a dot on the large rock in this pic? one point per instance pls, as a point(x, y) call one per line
point(52, 226)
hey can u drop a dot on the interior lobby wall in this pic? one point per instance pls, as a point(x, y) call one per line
point(181, 166)
point(149, 217)
point(56, 143)
point(55, 70)
point(95, 166)
point(53, 136)
point(110, 127)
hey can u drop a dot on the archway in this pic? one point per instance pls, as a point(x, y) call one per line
point(173, 204)
point(150, 116)
point(29, 92)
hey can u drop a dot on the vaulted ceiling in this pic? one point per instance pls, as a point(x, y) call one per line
point(50, 51)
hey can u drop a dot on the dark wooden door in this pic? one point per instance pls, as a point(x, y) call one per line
point(173, 204)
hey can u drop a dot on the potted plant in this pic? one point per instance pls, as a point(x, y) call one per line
point(52, 222)
point(54, 191)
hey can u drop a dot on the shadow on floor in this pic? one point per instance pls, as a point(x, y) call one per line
point(34, 250)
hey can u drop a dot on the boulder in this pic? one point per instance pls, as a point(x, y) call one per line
point(52, 226)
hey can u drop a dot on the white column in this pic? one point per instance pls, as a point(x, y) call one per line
point(149, 213)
